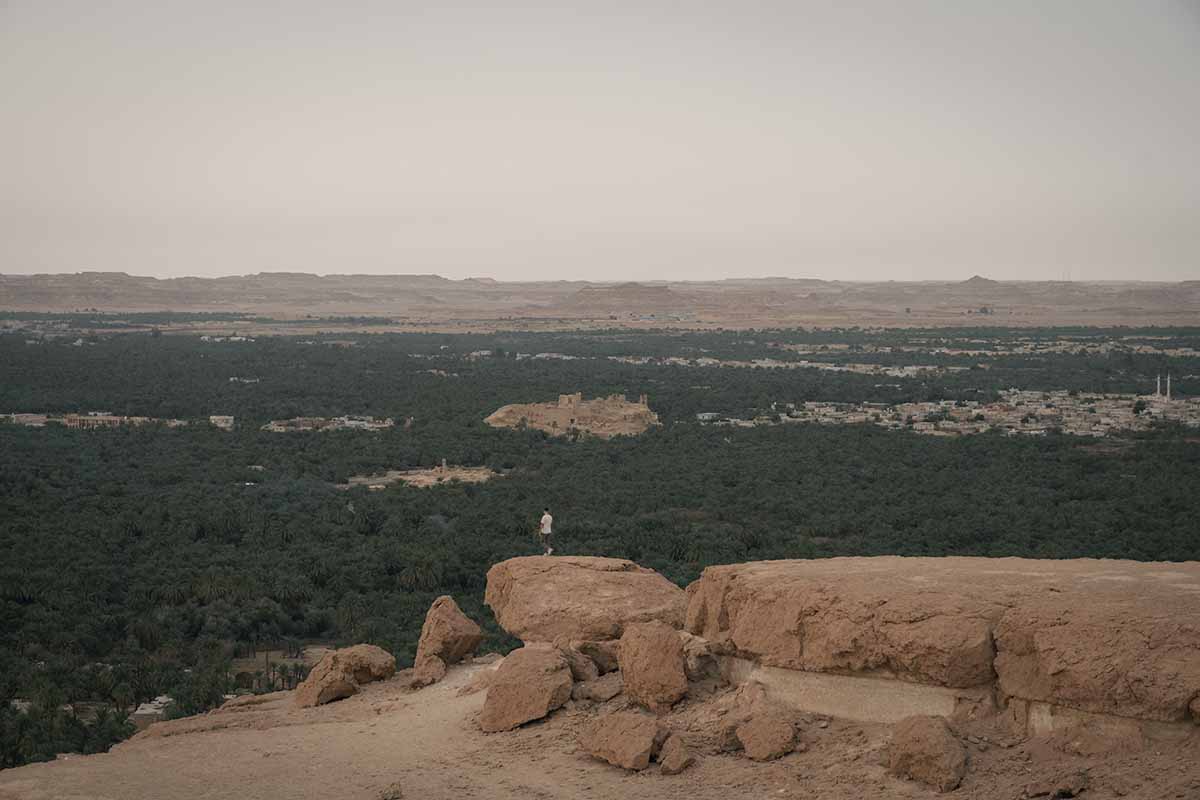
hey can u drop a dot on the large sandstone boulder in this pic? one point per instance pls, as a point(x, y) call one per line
point(924, 749)
point(341, 672)
point(796, 615)
point(446, 637)
point(529, 684)
point(565, 598)
point(652, 665)
point(626, 739)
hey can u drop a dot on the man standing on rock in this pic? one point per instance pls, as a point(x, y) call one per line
point(544, 531)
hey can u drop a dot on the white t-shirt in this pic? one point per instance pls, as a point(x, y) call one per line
point(547, 521)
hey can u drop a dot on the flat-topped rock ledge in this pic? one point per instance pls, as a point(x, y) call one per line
point(563, 598)
point(1053, 642)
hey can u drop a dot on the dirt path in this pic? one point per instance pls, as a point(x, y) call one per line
point(428, 746)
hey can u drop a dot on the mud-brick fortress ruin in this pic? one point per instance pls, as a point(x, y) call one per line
point(603, 417)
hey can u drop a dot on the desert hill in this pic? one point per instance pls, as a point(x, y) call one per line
point(842, 678)
point(430, 301)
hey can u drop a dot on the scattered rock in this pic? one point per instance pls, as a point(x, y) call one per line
point(603, 654)
point(1071, 785)
point(651, 658)
point(924, 749)
point(675, 756)
point(392, 792)
point(767, 737)
point(341, 672)
point(599, 690)
point(582, 667)
point(529, 684)
point(447, 636)
point(564, 598)
point(626, 739)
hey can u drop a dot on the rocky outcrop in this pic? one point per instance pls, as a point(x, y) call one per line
point(529, 684)
point(766, 737)
point(341, 672)
point(626, 739)
point(1110, 637)
point(446, 637)
point(675, 756)
point(652, 665)
point(924, 749)
point(578, 598)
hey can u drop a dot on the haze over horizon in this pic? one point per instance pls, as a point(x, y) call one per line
point(929, 141)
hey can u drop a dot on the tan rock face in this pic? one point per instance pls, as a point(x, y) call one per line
point(446, 637)
point(341, 672)
point(766, 737)
point(1101, 655)
point(652, 665)
point(626, 739)
point(1113, 637)
point(568, 598)
point(529, 684)
point(924, 749)
point(675, 756)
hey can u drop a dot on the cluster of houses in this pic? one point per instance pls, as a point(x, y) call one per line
point(104, 419)
point(906, 371)
point(345, 423)
point(1019, 412)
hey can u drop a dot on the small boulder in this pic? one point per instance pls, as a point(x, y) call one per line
point(767, 737)
point(651, 659)
point(924, 749)
point(675, 756)
point(626, 739)
point(447, 636)
point(1194, 709)
point(427, 670)
point(341, 672)
point(599, 690)
point(603, 654)
point(582, 667)
point(529, 684)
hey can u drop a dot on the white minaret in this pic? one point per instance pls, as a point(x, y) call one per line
point(1158, 386)
point(1168, 387)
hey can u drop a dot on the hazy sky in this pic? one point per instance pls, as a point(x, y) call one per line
point(606, 140)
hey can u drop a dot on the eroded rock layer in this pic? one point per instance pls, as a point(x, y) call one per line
point(1111, 637)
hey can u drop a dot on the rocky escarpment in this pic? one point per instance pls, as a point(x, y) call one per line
point(1106, 637)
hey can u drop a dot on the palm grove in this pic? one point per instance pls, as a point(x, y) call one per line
point(140, 561)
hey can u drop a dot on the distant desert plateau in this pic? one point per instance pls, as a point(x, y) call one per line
point(430, 302)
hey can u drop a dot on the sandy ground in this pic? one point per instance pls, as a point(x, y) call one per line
point(389, 742)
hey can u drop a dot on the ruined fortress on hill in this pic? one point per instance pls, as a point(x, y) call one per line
point(840, 678)
point(603, 417)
